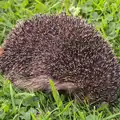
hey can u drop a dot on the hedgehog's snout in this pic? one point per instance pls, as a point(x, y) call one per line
point(1, 51)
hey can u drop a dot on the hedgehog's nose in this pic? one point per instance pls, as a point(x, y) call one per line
point(1, 51)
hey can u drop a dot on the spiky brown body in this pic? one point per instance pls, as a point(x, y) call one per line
point(64, 49)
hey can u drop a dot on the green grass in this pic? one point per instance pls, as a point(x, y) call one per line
point(16, 104)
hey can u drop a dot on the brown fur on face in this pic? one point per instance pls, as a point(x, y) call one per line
point(65, 49)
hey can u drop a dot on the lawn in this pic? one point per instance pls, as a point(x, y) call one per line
point(16, 104)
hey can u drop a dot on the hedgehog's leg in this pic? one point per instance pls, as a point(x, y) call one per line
point(71, 89)
point(69, 86)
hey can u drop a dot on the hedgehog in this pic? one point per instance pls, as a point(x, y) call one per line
point(65, 49)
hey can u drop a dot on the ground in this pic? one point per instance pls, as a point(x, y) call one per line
point(17, 104)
